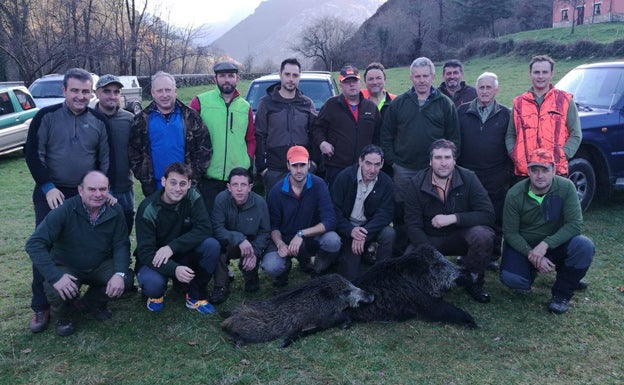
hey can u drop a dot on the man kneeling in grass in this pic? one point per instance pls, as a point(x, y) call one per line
point(174, 241)
point(84, 240)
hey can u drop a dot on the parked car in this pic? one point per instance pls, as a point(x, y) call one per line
point(17, 108)
point(317, 85)
point(598, 166)
point(48, 90)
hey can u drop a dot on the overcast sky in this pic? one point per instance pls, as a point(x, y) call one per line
point(184, 12)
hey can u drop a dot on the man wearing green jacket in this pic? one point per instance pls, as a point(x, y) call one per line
point(83, 241)
point(229, 119)
point(542, 224)
point(174, 240)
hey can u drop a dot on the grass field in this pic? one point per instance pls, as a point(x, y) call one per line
point(518, 341)
point(601, 33)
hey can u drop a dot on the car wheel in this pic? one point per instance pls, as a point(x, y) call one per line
point(582, 174)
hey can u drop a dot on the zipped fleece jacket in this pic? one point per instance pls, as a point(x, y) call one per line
point(232, 224)
point(197, 146)
point(336, 125)
point(280, 124)
point(231, 131)
point(408, 129)
point(378, 205)
point(121, 179)
point(465, 93)
point(67, 237)
point(557, 220)
point(290, 213)
point(182, 226)
point(62, 147)
point(466, 198)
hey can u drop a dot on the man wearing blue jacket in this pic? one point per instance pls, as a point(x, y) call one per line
point(302, 220)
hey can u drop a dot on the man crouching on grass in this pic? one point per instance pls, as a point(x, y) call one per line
point(542, 224)
point(174, 240)
point(84, 240)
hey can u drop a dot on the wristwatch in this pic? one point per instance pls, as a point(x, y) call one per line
point(122, 275)
point(300, 233)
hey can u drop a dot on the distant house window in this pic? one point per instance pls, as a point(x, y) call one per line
point(564, 14)
point(597, 9)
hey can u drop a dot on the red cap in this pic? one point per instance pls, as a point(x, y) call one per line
point(297, 154)
point(541, 157)
point(348, 72)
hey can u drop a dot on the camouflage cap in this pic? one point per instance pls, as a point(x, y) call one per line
point(108, 79)
point(541, 157)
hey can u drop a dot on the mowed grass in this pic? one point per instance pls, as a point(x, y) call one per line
point(518, 341)
point(600, 32)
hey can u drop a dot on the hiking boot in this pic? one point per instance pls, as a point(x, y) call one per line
point(102, 314)
point(558, 305)
point(155, 304)
point(219, 295)
point(201, 305)
point(39, 321)
point(477, 292)
point(282, 279)
point(65, 327)
point(474, 286)
point(252, 282)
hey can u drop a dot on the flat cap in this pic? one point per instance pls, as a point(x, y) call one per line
point(225, 67)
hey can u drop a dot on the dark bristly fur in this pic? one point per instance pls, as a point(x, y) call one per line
point(315, 305)
point(411, 286)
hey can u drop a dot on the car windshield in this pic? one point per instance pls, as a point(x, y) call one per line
point(594, 87)
point(47, 89)
point(317, 90)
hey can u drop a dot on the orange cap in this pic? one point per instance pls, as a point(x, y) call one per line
point(297, 154)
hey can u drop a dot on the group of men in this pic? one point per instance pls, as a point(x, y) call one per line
point(194, 165)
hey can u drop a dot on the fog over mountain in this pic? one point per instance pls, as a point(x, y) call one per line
point(264, 37)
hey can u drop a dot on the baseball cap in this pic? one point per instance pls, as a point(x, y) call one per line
point(225, 67)
point(297, 154)
point(541, 157)
point(108, 79)
point(349, 72)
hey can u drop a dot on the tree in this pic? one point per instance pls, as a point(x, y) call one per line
point(474, 14)
point(576, 5)
point(323, 39)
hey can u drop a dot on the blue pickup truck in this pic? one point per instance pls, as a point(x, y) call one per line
point(598, 166)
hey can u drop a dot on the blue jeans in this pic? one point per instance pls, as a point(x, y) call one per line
point(203, 261)
point(572, 260)
point(327, 246)
point(126, 201)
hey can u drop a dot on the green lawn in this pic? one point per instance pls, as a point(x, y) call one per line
point(601, 33)
point(518, 341)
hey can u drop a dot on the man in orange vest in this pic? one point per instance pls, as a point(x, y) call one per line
point(543, 117)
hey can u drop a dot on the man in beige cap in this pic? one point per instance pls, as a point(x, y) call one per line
point(542, 224)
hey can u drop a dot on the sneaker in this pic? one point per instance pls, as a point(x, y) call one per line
point(155, 304)
point(252, 285)
point(39, 321)
point(220, 294)
point(201, 305)
point(65, 327)
point(558, 305)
